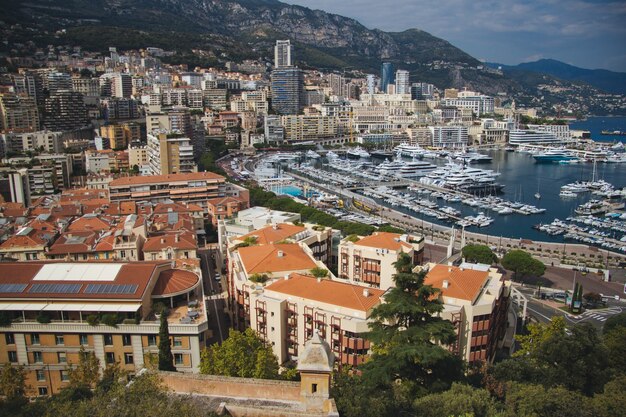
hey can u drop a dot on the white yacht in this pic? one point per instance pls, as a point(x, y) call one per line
point(357, 152)
point(415, 169)
point(405, 149)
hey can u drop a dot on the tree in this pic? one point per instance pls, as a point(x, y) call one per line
point(618, 320)
point(355, 398)
point(457, 401)
point(241, 354)
point(318, 272)
point(408, 335)
point(87, 372)
point(612, 402)
point(615, 341)
point(522, 264)
point(538, 334)
point(535, 400)
point(166, 359)
point(479, 254)
point(12, 382)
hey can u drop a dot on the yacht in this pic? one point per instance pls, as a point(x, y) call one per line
point(312, 154)
point(357, 152)
point(567, 194)
point(472, 157)
point(415, 169)
point(554, 155)
point(405, 149)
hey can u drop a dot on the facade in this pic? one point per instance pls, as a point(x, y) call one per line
point(449, 137)
point(45, 140)
point(476, 301)
point(18, 113)
point(299, 128)
point(532, 137)
point(121, 134)
point(225, 207)
point(403, 86)
point(74, 297)
point(369, 260)
point(122, 85)
point(273, 129)
point(194, 188)
point(65, 110)
point(170, 154)
point(287, 90)
point(387, 76)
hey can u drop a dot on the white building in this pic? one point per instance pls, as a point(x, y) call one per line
point(403, 85)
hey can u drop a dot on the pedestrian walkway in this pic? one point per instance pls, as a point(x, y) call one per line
point(598, 315)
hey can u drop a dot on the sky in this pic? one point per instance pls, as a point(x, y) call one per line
point(585, 33)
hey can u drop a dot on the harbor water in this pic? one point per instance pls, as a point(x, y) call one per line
point(597, 124)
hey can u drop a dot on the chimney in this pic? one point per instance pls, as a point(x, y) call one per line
point(274, 226)
point(281, 253)
point(366, 292)
point(286, 277)
point(162, 240)
point(319, 279)
point(445, 283)
point(449, 269)
point(177, 238)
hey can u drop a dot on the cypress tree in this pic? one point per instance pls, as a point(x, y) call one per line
point(166, 359)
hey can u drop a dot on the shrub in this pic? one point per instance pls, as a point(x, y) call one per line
point(93, 319)
point(259, 278)
point(43, 318)
point(110, 319)
point(5, 319)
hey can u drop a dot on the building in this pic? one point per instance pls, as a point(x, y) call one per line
point(273, 129)
point(121, 134)
point(449, 137)
point(88, 87)
point(403, 86)
point(97, 162)
point(19, 189)
point(122, 85)
point(222, 208)
point(371, 84)
point(18, 113)
point(387, 76)
point(193, 188)
point(170, 153)
point(167, 246)
point(115, 108)
point(283, 52)
point(369, 260)
point(138, 155)
point(57, 81)
point(303, 128)
point(532, 137)
point(476, 300)
point(287, 90)
point(54, 310)
point(65, 110)
point(43, 140)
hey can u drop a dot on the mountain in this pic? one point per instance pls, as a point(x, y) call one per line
point(609, 81)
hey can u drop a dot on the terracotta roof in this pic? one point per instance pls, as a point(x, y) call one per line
point(175, 281)
point(33, 239)
point(138, 273)
point(265, 258)
point(90, 222)
point(150, 179)
point(9, 209)
point(273, 234)
point(384, 240)
point(74, 242)
point(327, 291)
point(464, 284)
point(158, 243)
point(164, 208)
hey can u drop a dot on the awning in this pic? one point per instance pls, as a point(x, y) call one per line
point(121, 308)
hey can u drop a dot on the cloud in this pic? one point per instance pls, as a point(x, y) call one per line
point(491, 28)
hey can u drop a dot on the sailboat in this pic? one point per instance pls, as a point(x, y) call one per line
point(537, 194)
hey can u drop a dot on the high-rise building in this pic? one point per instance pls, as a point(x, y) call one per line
point(65, 110)
point(274, 130)
point(58, 81)
point(18, 113)
point(371, 84)
point(120, 135)
point(282, 54)
point(122, 85)
point(422, 91)
point(170, 153)
point(402, 82)
point(337, 85)
point(387, 76)
point(287, 90)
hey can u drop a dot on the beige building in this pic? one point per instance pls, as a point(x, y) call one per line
point(137, 155)
point(369, 260)
point(170, 153)
point(52, 310)
point(476, 301)
point(302, 128)
point(120, 135)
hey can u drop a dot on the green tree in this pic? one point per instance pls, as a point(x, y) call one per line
point(615, 342)
point(618, 320)
point(407, 335)
point(12, 383)
point(522, 264)
point(479, 254)
point(241, 354)
point(611, 402)
point(538, 334)
point(318, 272)
point(87, 372)
point(166, 359)
point(356, 398)
point(536, 401)
point(457, 401)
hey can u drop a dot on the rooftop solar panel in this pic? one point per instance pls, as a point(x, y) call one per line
point(12, 287)
point(111, 288)
point(55, 288)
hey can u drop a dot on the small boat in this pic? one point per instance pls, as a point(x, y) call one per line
point(537, 196)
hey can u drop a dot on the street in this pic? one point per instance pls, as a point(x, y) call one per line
point(214, 298)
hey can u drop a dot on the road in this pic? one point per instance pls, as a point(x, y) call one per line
point(214, 298)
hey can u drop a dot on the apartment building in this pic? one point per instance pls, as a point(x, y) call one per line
point(170, 153)
point(302, 128)
point(195, 188)
point(369, 260)
point(52, 310)
point(18, 113)
point(476, 300)
point(225, 207)
point(121, 134)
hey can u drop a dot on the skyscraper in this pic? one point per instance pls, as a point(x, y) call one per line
point(282, 54)
point(402, 82)
point(387, 76)
point(65, 111)
point(287, 90)
point(371, 83)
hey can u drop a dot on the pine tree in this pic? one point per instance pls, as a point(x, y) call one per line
point(166, 359)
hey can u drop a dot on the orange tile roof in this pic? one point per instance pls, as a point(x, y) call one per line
point(328, 291)
point(384, 240)
point(89, 223)
point(150, 179)
point(74, 242)
point(464, 284)
point(157, 243)
point(265, 258)
point(9, 209)
point(175, 281)
point(33, 239)
point(273, 234)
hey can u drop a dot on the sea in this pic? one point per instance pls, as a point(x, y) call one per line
point(597, 124)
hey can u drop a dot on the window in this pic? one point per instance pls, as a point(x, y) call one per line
point(59, 339)
point(84, 340)
point(108, 339)
point(178, 358)
point(41, 375)
point(37, 357)
point(10, 338)
point(126, 339)
point(43, 390)
point(34, 339)
point(128, 358)
point(12, 356)
point(178, 341)
point(313, 388)
point(152, 340)
point(62, 357)
point(123, 254)
point(64, 376)
point(110, 357)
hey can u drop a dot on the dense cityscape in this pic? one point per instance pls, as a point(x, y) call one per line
point(263, 237)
